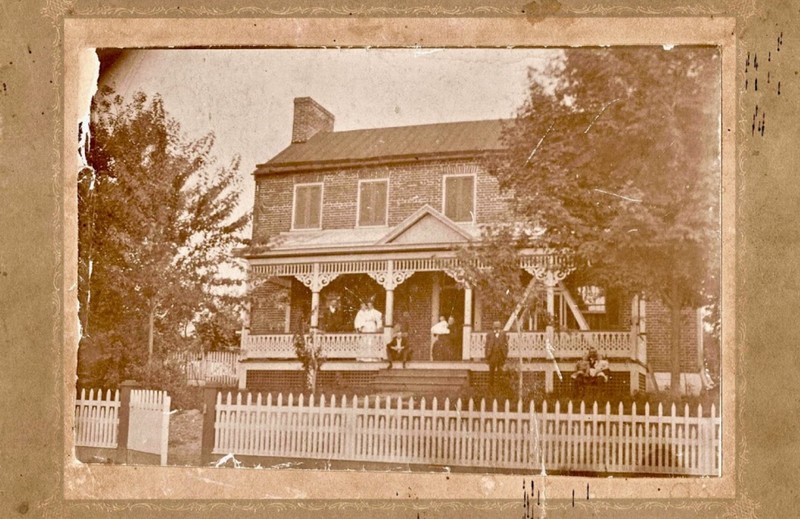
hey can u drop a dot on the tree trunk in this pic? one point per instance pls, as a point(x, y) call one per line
point(675, 339)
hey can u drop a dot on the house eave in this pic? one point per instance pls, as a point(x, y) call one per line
point(327, 165)
point(357, 250)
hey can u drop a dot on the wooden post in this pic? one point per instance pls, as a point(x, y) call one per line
point(435, 290)
point(476, 307)
point(388, 318)
point(551, 311)
point(314, 310)
point(466, 335)
point(124, 419)
point(209, 417)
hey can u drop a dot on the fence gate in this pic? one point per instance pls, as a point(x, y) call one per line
point(148, 428)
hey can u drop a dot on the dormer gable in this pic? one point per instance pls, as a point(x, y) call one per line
point(426, 225)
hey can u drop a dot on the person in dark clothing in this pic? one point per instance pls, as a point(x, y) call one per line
point(398, 349)
point(333, 318)
point(456, 340)
point(496, 351)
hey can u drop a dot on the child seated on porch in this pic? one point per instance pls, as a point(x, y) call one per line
point(601, 370)
point(398, 349)
point(592, 368)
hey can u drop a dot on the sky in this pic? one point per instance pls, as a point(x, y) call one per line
point(245, 96)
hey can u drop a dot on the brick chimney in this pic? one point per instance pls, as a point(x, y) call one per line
point(310, 118)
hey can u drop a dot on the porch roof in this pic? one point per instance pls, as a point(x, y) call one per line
point(425, 229)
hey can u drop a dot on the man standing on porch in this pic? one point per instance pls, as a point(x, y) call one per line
point(496, 351)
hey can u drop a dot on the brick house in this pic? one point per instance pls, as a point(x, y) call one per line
point(378, 213)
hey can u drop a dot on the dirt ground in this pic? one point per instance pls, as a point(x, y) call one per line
point(185, 431)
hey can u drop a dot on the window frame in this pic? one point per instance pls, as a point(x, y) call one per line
point(321, 204)
point(474, 211)
point(358, 202)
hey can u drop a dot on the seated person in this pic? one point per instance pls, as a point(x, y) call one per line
point(441, 340)
point(398, 349)
point(592, 368)
point(601, 370)
point(582, 368)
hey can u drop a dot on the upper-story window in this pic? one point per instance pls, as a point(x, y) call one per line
point(372, 202)
point(307, 213)
point(459, 197)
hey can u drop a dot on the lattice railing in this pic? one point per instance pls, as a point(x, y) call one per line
point(542, 260)
point(286, 269)
point(334, 346)
point(612, 344)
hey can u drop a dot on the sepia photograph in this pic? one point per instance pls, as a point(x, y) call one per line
point(425, 260)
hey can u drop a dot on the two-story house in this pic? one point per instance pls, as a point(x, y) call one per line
point(378, 213)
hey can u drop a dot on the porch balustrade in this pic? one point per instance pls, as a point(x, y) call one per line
point(531, 345)
point(334, 346)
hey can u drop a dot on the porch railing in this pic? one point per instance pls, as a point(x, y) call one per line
point(334, 346)
point(531, 345)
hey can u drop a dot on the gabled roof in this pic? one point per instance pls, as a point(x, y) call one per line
point(426, 228)
point(401, 142)
point(431, 226)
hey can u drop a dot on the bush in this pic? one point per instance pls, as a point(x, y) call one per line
point(172, 379)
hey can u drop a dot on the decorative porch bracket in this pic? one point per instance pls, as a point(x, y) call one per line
point(458, 275)
point(316, 281)
point(390, 279)
point(550, 278)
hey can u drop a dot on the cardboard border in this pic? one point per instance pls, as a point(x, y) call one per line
point(114, 482)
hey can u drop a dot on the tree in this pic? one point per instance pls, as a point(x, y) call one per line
point(157, 222)
point(615, 156)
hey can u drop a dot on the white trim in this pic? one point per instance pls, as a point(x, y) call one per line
point(358, 202)
point(321, 203)
point(474, 195)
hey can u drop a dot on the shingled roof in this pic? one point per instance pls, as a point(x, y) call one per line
point(396, 143)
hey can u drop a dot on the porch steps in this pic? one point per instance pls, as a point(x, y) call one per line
point(421, 382)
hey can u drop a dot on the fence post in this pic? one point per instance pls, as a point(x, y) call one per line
point(209, 417)
point(124, 419)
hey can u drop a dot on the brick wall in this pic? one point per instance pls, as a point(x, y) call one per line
point(658, 337)
point(410, 187)
point(300, 301)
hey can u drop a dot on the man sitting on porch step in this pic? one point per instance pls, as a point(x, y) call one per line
point(397, 349)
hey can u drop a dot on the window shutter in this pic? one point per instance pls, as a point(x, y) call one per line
point(459, 199)
point(373, 203)
point(308, 207)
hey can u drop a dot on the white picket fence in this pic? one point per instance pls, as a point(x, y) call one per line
point(97, 419)
point(148, 429)
point(395, 430)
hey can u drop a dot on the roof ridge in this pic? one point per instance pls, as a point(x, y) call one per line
point(404, 126)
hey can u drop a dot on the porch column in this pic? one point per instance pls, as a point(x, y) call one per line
point(287, 317)
point(550, 283)
point(388, 318)
point(389, 279)
point(315, 281)
point(315, 287)
point(476, 306)
point(314, 310)
point(466, 336)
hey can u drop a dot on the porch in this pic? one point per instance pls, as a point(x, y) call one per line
point(614, 345)
point(414, 276)
point(357, 362)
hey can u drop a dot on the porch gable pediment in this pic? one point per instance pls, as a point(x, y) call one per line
point(426, 225)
